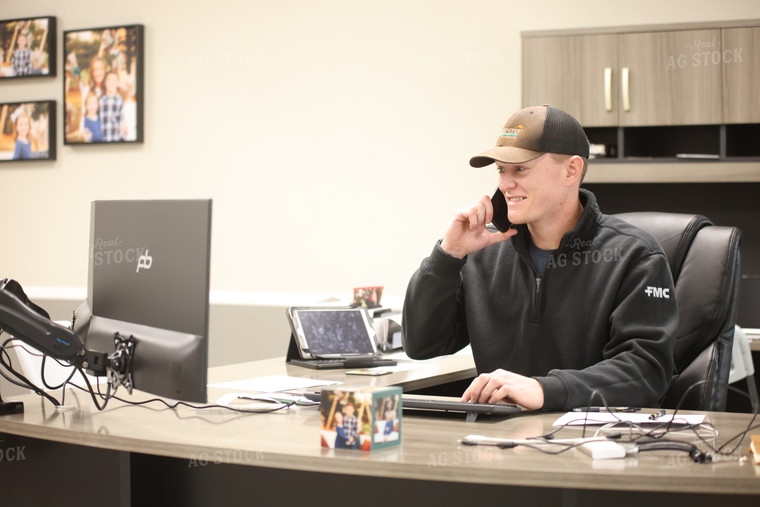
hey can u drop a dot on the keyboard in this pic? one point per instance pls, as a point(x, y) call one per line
point(444, 404)
point(466, 407)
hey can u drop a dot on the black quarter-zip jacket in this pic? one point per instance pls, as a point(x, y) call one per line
point(602, 317)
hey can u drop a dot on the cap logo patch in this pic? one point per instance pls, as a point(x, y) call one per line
point(512, 131)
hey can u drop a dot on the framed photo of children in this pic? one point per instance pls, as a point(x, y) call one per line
point(27, 47)
point(27, 131)
point(103, 85)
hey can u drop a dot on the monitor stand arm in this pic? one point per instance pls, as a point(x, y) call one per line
point(25, 323)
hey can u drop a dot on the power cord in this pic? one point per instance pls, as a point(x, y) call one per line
point(95, 393)
point(637, 438)
point(20, 380)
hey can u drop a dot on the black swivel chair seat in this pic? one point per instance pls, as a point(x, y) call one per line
point(705, 261)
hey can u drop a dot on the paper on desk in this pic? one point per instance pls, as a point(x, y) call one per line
point(273, 384)
point(601, 418)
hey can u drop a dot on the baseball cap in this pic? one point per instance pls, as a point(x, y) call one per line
point(533, 131)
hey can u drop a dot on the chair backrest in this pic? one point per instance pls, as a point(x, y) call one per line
point(706, 264)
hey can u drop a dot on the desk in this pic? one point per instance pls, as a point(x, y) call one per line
point(136, 454)
point(409, 374)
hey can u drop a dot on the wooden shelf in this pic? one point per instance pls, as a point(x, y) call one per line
point(657, 171)
point(736, 23)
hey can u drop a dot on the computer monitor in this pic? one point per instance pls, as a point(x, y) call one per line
point(149, 278)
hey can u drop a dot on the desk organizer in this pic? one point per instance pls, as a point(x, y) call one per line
point(365, 418)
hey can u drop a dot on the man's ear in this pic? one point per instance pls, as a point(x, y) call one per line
point(573, 169)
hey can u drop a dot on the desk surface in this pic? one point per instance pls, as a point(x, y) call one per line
point(429, 450)
point(410, 374)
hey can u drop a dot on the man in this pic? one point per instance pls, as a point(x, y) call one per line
point(555, 308)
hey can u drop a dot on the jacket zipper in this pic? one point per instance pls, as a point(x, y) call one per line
point(537, 300)
point(536, 310)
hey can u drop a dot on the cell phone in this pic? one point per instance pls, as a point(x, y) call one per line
point(500, 218)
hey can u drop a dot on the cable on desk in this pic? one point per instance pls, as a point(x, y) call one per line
point(696, 455)
point(546, 446)
point(741, 435)
point(175, 404)
point(5, 361)
point(96, 393)
point(639, 438)
point(666, 428)
point(62, 384)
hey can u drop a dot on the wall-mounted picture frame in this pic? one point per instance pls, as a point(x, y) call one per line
point(103, 85)
point(27, 131)
point(27, 47)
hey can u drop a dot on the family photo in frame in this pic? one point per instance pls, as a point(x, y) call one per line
point(103, 85)
point(27, 131)
point(27, 47)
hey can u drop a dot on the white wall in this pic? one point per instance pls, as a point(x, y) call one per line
point(333, 136)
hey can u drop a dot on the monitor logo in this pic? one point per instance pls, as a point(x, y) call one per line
point(145, 261)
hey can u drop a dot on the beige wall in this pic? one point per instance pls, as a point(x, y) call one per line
point(333, 137)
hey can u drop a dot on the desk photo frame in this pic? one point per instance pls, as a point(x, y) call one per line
point(27, 131)
point(103, 85)
point(27, 48)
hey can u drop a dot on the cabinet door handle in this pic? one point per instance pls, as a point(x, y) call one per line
point(624, 80)
point(608, 89)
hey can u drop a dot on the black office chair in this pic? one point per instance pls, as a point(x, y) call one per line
point(706, 264)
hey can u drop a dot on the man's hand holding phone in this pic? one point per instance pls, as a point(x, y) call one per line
point(467, 232)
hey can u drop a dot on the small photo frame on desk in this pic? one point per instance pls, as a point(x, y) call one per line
point(363, 418)
point(27, 48)
point(103, 85)
point(27, 131)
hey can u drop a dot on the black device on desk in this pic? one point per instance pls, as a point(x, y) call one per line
point(333, 337)
point(158, 293)
point(144, 324)
point(473, 410)
point(439, 404)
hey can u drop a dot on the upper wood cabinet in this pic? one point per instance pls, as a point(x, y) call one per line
point(573, 73)
point(667, 103)
point(669, 78)
point(646, 76)
point(741, 75)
